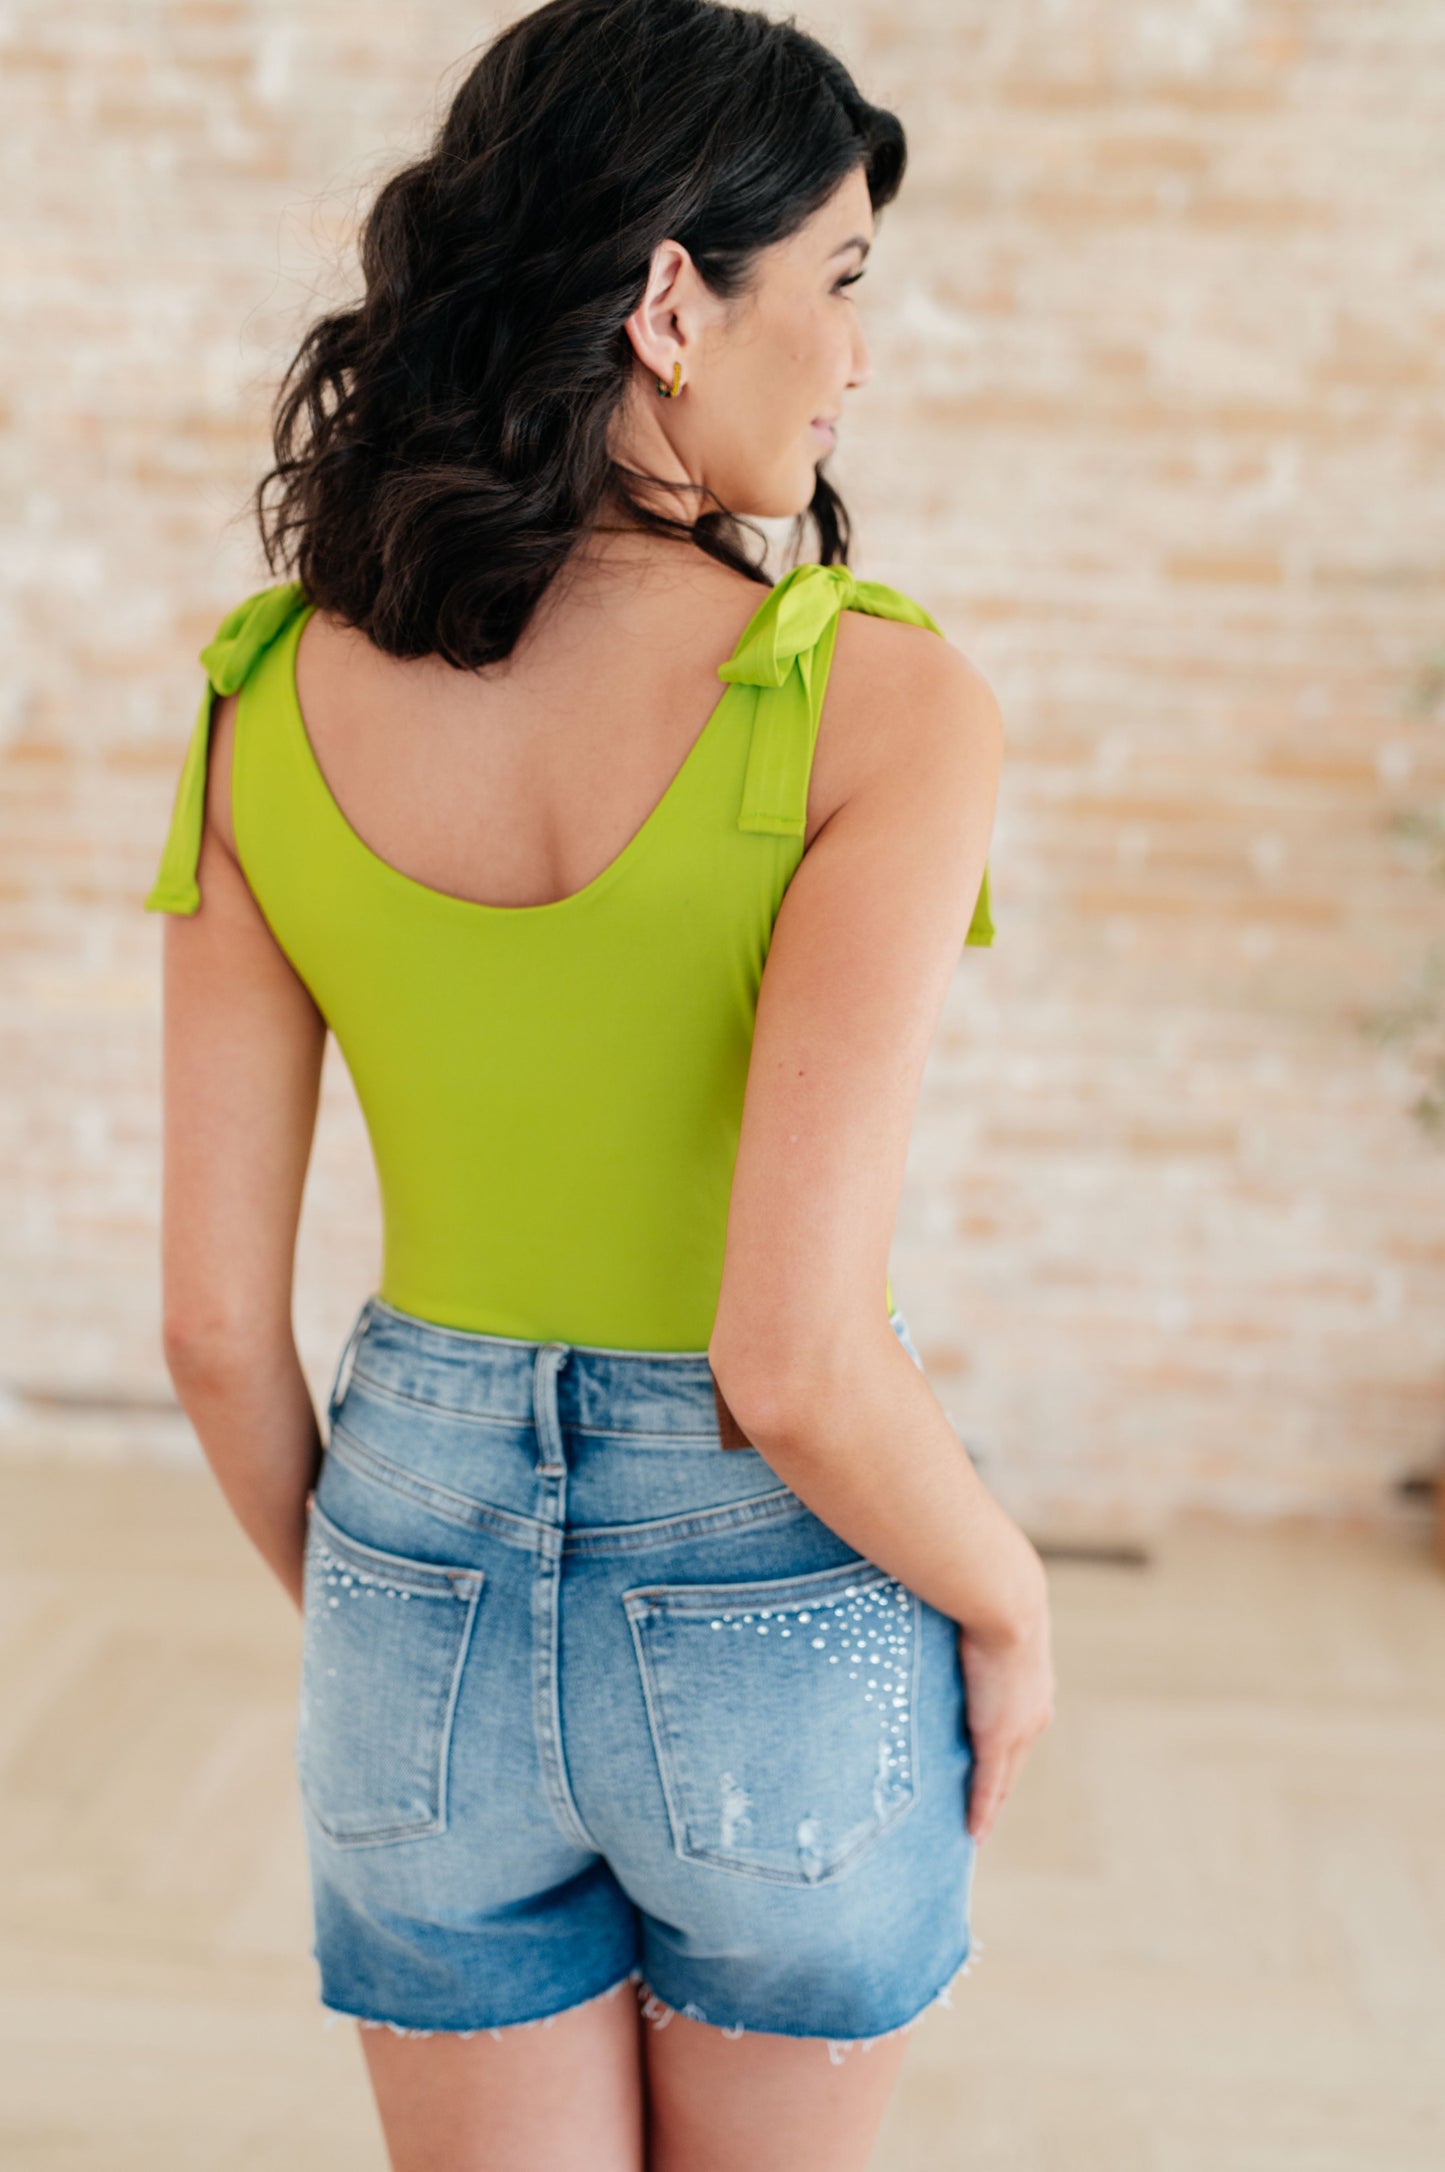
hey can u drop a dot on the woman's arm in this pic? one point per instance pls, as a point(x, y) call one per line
point(243, 1048)
point(867, 940)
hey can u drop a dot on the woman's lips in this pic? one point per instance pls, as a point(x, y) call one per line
point(825, 429)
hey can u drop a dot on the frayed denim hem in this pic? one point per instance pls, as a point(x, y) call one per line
point(332, 2014)
point(659, 2013)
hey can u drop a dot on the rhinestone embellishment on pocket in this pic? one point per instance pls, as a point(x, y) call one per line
point(346, 1576)
point(870, 1630)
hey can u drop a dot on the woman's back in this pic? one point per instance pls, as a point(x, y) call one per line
point(539, 936)
point(518, 784)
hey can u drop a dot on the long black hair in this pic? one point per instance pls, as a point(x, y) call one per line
point(441, 448)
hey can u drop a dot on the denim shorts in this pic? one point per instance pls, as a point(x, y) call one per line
point(588, 1698)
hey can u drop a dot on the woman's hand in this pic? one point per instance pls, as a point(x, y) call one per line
point(1010, 1688)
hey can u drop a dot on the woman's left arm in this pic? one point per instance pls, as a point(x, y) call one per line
point(243, 1049)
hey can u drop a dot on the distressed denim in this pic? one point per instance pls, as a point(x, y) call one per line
point(588, 1699)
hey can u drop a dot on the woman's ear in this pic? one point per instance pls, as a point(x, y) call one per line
point(657, 327)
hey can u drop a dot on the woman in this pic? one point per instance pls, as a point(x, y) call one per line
point(658, 1630)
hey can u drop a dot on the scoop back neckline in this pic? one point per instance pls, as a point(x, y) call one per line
point(448, 899)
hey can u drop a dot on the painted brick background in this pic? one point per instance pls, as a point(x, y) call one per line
point(1157, 431)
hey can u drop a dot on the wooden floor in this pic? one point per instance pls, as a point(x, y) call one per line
point(1212, 1918)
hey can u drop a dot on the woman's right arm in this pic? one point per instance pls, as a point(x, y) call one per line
point(865, 944)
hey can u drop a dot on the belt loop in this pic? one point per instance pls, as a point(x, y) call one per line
point(358, 1328)
point(551, 1357)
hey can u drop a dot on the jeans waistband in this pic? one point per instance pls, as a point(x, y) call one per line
point(505, 1376)
point(667, 1392)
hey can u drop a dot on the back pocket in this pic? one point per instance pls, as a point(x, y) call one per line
point(782, 1716)
point(383, 1646)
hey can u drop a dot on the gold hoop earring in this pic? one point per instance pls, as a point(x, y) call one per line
point(670, 392)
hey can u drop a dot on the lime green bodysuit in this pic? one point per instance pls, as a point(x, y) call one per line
point(553, 1092)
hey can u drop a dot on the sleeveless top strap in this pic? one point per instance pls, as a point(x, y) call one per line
point(785, 651)
point(228, 657)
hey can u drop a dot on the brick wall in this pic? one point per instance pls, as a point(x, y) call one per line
point(1155, 429)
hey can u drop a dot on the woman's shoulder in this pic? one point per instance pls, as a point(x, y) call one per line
point(904, 699)
point(902, 681)
point(886, 638)
point(202, 792)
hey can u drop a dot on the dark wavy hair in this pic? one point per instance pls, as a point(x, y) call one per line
point(441, 448)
